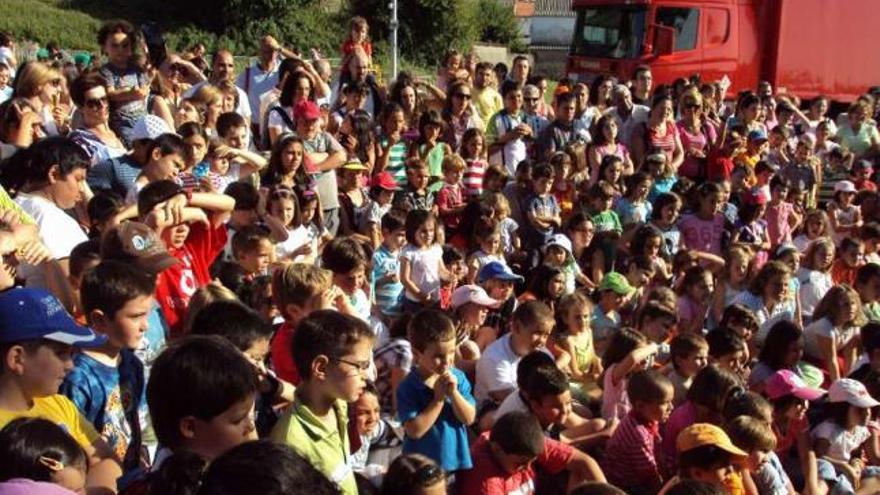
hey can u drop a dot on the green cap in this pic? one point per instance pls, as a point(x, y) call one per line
point(616, 282)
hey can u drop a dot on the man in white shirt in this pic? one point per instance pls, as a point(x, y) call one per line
point(628, 114)
point(222, 70)
point(260, 77)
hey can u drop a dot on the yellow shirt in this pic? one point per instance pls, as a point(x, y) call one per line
point(6, 203)
point(325, 447)
point(61, 411)
point(488, 102)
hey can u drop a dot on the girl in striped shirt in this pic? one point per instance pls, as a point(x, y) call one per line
point(473, 152)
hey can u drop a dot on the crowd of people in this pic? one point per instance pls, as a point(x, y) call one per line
point(298, 279)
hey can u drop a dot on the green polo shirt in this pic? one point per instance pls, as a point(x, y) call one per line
point(326, 448)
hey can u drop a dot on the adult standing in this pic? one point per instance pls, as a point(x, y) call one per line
point(42, 86)
point(601, 93)
point(520, 71)
point(459, 114)
point(222, 71)
point(297, 88)
point(260, 78)
point(643, 82)
point(696, 134)
point(659, 133)
point(360, 70)
point(487, 99)
point(857, 134)
point(325, 154)
point(627, 113)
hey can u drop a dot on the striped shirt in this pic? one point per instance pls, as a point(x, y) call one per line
point(473, 177)
point(631, 455)
point(388, 294)
point(396, 161)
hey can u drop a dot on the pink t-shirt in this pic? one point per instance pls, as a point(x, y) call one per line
point(682, 417)
point(615, 401)
point(702, 235)
point(777, 223)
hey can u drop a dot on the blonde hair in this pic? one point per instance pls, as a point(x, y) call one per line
point(453, 163)
point(208, 294)
point(498, 202)
point(835, 300)
point(32, 76)
point(821, 216)
point(738, 251)
point(297, 283)
point(208, 95)
point(576, 299)
point(809, 261)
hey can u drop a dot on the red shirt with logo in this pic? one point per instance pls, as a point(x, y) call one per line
point(176, 285)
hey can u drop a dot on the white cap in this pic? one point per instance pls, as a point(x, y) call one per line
point(845, 186)
point(559, 240)
point(851, 391)
point(472, 294)
point(149, 127)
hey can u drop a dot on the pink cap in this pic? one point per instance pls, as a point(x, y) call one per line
point(786, 382)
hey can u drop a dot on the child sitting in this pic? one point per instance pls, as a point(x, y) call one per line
point(374, 435)
point(632, 455)
point(614, 291)
point(634, 208)
point(705, 453)
point(628, 352)
point(530, 327)
point(845, 216)
point(728, 351)
point(333, 353)
point(507, 457)
point(754, 436)
point(421, 261)
point(689, 354)
point(40, 450)
point(542, 212)
point(381, 194)
point(434, 402)
point(165, 159)
point(232, 161)
point(575, 337)
point(107, 382)
point(851, 256)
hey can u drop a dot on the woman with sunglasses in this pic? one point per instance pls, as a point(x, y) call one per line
point(89, 93)
point(459, 114)
point(697, 135)
point(43, 87)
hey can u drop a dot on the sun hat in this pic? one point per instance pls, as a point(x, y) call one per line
point(702, 434)
point(559, 240)
point(498, 270)
point(616, 282)
point(149, 127)
point(472, 294)
point(851, 391)
point(845, 186)
point(34, 314)
point(354, 164)
point(531, 91)
point(139, 244)
point(787, 382)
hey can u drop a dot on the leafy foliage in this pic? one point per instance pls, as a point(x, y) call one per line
point(42, 21)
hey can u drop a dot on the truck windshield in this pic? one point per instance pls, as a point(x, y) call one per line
point(609, 32)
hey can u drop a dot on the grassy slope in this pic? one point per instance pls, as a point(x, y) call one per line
point(43, 21)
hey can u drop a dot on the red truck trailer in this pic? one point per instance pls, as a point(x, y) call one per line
point(809, 47)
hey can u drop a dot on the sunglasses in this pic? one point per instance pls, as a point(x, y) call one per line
point(530, 99)
point(463, 96)
point(97, 103)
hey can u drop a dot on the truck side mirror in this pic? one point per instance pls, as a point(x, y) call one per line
point(664, 40)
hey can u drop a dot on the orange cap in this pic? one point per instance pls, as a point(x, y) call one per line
point(700, 434)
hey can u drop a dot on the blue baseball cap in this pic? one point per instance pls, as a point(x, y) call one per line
point(34, 314)
point(757, 135)
point(497, 269)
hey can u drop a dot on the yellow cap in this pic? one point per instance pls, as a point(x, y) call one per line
point(701, 434)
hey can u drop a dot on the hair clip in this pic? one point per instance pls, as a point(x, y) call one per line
point(53, 464)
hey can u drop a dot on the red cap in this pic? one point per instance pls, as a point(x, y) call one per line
point(754, 197)
point(385, 181)
point(307, 109)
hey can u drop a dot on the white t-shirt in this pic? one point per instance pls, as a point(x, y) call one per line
point(298, 237)
point(512, 403)
point(424, 268)
point(814, 285)
point(824, 328)
point(261, 82)
point(496, 369)
point(843, 442)
point(58, 231)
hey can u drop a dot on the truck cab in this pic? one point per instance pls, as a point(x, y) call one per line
point(676, 38)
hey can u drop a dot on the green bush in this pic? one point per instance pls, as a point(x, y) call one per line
point(498, 25)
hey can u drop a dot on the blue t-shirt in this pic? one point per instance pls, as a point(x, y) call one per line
point(112, 399)
point(632, 213)
point(154, 339)
point(446, 442)
point(389, 295)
